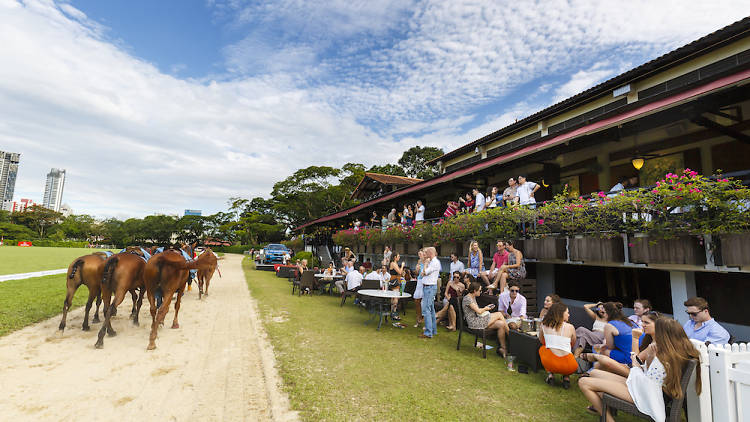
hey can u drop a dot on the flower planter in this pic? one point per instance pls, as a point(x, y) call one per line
point(735, 249)
point(679, 250)
point(545, 248)
point(594, 249)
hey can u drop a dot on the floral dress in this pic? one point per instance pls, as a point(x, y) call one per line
point(474, 321)
point(518, 273)
point(474, 264)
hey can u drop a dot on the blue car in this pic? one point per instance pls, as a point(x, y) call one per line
point(274, 253)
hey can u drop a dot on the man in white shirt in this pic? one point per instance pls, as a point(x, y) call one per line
point(456, 265)
point(525, 191)
point(419, 216)
point(353, 280)
point(479, 201)
point(430, 276)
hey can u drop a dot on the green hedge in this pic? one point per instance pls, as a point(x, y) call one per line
point(233, 249)
point(48, 243)
point(312, 261)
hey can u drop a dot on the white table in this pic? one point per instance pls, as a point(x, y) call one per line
point(382, 306)
point(321, 276)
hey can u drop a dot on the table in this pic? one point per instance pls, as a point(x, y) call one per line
point(323, 283)
point(525, 348)
point(382, 305)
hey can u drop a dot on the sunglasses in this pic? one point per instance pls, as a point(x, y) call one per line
point(692, 314)
point(514, 290)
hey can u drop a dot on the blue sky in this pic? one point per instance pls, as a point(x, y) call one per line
point(221, 98)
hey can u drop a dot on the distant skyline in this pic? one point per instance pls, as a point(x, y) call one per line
point(158, 107)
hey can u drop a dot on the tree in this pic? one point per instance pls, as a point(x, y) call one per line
point(37, 218)
point(414, 162)
point(79, 227)
point(15, 231)
point(391, 169)
point(191, 228)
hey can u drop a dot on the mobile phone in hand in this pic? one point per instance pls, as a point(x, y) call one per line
point(491, 306)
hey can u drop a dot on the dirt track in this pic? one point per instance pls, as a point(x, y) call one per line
point(216, 366)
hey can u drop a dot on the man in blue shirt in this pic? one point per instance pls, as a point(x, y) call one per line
point(701, 326)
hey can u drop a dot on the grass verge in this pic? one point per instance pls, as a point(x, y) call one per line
point(24, 302)
point(336, 368)
point(15, 260)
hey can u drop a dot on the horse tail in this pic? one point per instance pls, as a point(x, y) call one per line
point(109, 270)
point(76, 265)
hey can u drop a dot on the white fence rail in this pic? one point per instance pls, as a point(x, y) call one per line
point(730, 382)
point(699, 407)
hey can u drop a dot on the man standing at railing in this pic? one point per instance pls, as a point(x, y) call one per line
point(509, 194)
point(419, 215)
point(525, 191)
point(430, 274)
point(701, 326)
point(479, 201)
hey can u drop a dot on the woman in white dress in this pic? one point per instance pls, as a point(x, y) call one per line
point(661, 372)
point(418, 291)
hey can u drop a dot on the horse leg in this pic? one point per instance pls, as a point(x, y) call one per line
point(134, 297)
point(208, 281)
point(88, 309)
point(119, 296)
point(138, 308)
point(98, 302)
point(200, 286)
point(107, 315)
point(175, 324)
point(160, 314)
point(67, 304)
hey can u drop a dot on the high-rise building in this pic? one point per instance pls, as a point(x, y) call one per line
point(53, 190)
point(8, 172)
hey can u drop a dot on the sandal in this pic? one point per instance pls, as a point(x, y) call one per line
point(591, 410)
point(566, 383)
point(588, 357)
point(450, 328)
point(550, 379)
point(501, 352)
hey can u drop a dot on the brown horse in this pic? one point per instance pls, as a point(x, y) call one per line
point(168, 272)
point(85, 270)
point(204, 275)
point(122, 273)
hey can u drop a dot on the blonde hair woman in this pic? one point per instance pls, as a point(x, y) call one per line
point(476, 259)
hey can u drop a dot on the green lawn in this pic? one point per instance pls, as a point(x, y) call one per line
point(25, 260)
point(336, 368)
point(24, 302)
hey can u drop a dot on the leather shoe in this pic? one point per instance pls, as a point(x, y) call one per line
point(424, 336)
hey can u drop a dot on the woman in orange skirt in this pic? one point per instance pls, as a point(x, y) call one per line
point(557, 337)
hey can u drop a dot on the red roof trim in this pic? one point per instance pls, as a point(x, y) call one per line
point(646, 108)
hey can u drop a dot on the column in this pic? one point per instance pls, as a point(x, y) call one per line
point(545, 282)
point(682, 284)
point(707, 161)
point(604, 182)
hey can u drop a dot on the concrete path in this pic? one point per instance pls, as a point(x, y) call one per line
point(21, 276)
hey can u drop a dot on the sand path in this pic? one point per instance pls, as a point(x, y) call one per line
point(218, 366)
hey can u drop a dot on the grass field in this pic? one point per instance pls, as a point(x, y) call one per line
point(336, 368)
point(24, 302)
point(15, 260)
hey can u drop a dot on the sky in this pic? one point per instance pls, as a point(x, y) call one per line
point(161, 106)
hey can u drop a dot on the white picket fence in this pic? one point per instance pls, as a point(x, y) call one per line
point(725, 384)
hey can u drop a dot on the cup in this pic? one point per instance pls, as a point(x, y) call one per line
point(511, 363)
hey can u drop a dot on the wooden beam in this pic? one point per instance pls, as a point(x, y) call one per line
point(724, 130)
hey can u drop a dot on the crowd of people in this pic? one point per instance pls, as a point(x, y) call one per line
point(630, 357)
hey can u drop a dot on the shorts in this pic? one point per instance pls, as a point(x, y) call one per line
point(564, 365)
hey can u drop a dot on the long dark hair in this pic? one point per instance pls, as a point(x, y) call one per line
point(647, 340)
point(555, 316)
point(614, 312)
point(674, 352)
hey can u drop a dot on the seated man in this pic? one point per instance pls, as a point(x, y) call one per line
point(456, 265)
point(701, 326)
point(353, 280)
point(498, 260)
point(512, 303)
point(348, 267)
point(375, 275)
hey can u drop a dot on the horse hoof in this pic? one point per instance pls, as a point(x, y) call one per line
point(175, 325)
point(85, 328)
point(136, 323)
point(99, 345)
point(61, 327)
point(151, 346)
point(95, 320)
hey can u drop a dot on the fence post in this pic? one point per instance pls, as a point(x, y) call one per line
point(722, 398)
point(699, 407)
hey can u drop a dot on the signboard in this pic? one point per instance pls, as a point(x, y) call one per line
point(24, 243)
point(192, 212)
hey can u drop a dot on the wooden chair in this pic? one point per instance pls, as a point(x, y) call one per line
point(485, 333)
point(294, 278)
point(674, 406)
point(307, 281)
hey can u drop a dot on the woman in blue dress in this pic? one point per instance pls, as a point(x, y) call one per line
point(618, 335)
point(476, 260)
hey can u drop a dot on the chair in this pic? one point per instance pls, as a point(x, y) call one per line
point(462, 327)
point(295, 279)
point(307, 281)
point(674, 406)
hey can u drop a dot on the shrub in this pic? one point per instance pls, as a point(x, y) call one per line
point(312, 261)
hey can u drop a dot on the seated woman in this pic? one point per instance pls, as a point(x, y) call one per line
point(640, 307)
point(644, 385)
point(606, 363)
point(618, 336)
point(549, 301)
point(557, 337)
point(480, 318)
point(594, 336)
point(514, 270)
point(453, 290)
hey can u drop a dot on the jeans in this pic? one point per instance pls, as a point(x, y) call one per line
point(428, 309)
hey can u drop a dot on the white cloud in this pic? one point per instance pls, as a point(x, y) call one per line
point(366, 81)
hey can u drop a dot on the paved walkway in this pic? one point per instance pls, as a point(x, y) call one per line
point(218, 366)
point(21, 276)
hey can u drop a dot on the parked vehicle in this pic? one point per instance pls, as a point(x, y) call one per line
point(273, 253)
